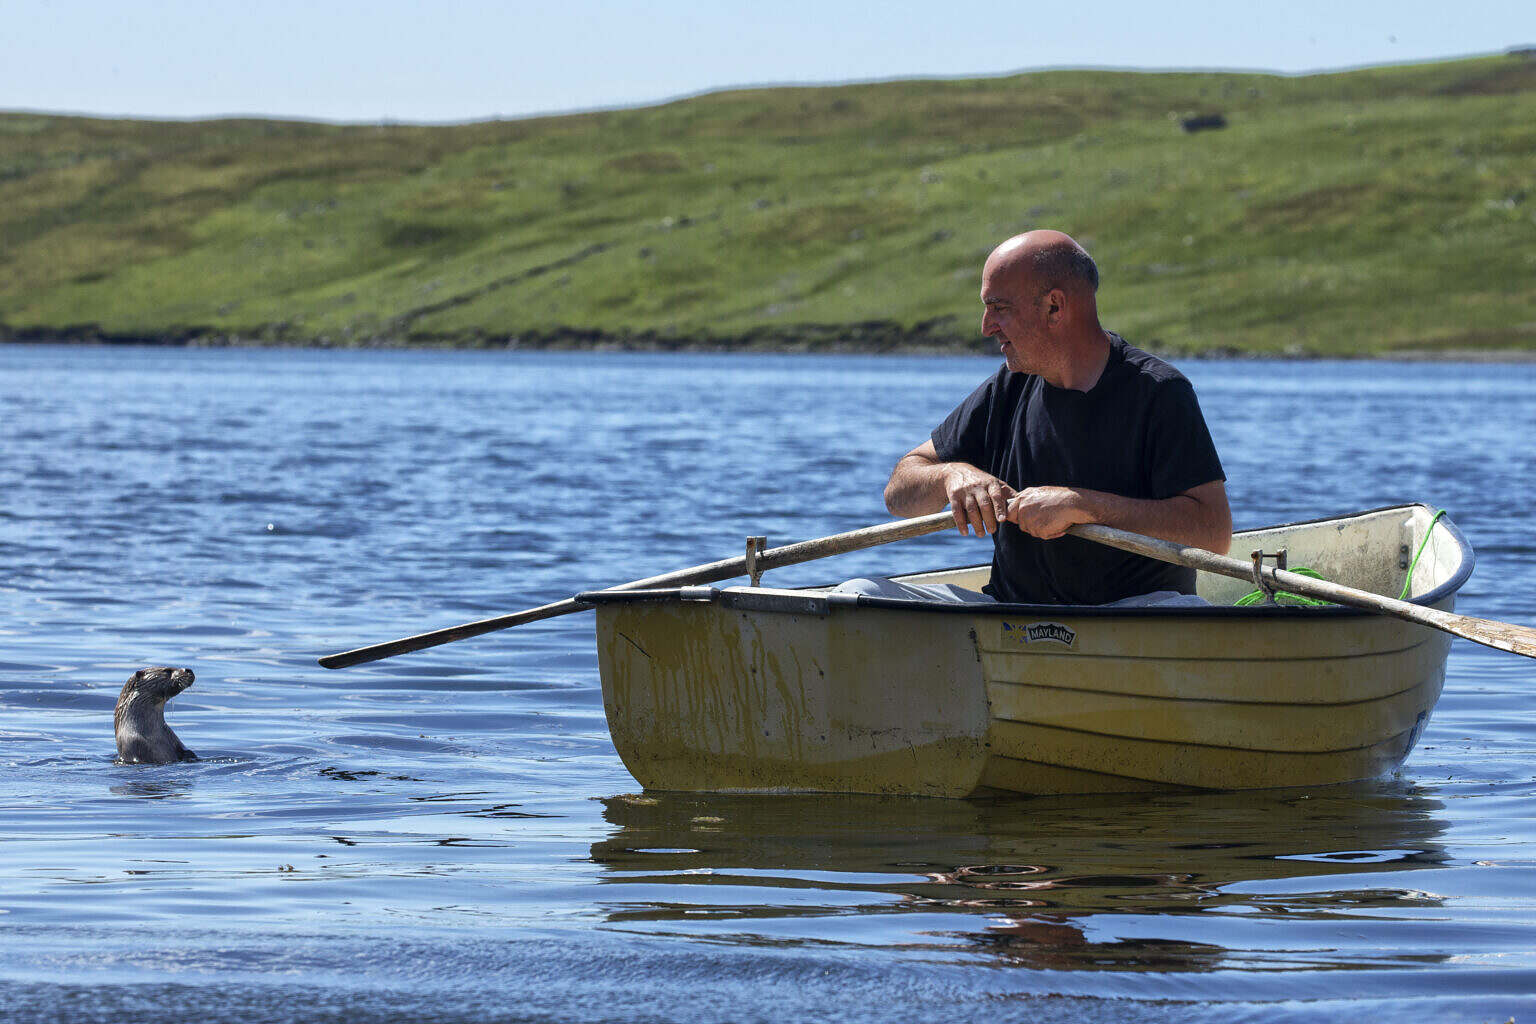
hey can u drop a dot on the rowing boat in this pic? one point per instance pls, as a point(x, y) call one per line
point(759, 689)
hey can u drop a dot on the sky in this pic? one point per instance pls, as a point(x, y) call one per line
point(464, 60)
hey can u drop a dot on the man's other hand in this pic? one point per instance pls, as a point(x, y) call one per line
point(978, 499)
point(1046, 512)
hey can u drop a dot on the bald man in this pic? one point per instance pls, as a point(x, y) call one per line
point(1076, 427)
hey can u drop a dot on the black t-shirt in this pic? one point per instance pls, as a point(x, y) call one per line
point(1138, 433)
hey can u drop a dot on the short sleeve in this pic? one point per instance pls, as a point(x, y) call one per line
point(1180, 452)
point(962, 437)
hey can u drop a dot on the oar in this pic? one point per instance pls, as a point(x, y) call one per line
point(1503, 636)
point(726, 568)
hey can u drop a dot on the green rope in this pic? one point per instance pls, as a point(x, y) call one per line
point(1257, 596)
point(1415, 563)
point(1286, 598)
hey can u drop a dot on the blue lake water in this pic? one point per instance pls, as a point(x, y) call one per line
point(449, 835)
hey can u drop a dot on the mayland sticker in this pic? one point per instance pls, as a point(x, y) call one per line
point(1039, 632)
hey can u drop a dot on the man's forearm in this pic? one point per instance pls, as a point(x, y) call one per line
point(916, 487)
point(921, 485)
point(1180, 519)
point(1199, 518)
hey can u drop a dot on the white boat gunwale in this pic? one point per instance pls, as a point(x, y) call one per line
point(819, 600)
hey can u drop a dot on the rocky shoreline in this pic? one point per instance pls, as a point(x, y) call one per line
point(937, 337)
point(940, 336)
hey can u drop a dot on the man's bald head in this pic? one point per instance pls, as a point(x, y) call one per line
point(1048, 259)
point(1038, 290)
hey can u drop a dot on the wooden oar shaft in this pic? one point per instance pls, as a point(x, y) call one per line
point(1504, 636)
point(710, 572)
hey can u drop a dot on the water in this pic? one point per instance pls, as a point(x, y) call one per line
point(449, 835)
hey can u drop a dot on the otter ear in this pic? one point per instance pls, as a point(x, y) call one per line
point(137, 677)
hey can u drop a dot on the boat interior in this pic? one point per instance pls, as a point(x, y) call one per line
point(1374, 551)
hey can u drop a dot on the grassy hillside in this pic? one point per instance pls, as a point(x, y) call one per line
point(1369, 211)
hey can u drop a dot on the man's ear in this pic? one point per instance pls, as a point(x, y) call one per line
point(1055, 306)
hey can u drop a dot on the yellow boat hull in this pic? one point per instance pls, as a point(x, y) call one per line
point(762, 690)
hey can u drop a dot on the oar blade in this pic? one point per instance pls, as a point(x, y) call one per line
point(1501, 636)
point(436, 638)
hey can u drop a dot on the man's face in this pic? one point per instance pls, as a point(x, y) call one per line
point(1012, 316)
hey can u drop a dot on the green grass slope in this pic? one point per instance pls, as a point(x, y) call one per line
point(1363, 212)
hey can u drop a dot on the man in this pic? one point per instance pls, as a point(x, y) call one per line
point(1076, 427)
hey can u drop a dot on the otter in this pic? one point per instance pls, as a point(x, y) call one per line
point(142, 735)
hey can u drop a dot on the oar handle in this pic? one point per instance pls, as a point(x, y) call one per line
point(710, 572)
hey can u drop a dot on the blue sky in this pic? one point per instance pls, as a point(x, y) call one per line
point(471, 59)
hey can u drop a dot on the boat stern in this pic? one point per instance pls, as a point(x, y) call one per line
point(757, 690)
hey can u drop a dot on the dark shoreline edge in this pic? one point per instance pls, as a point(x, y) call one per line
point(873, 337)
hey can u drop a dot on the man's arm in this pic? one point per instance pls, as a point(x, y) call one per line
point(921, 485)
point(1200, 517)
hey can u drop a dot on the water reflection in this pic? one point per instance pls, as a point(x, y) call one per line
point(1047, 943)
point(1066, 884)
point(148, 789)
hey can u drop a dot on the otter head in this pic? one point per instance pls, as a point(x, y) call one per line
point(155, 685)
point(142, 735)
